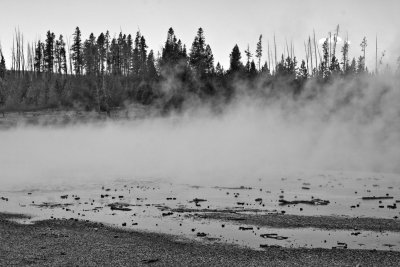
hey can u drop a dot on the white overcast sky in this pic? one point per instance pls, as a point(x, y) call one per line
point(225, 22)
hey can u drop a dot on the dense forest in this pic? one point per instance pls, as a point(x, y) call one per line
point(103, 73)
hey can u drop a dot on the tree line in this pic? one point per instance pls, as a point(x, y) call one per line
point(103, 72)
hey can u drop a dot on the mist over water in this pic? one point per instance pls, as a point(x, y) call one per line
point(349, 126)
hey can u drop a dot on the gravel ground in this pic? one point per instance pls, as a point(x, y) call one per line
point(298, 221)
point(79, 243)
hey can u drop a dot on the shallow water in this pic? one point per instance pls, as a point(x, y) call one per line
point(151, 201)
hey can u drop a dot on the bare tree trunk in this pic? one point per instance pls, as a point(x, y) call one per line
point(315, 51)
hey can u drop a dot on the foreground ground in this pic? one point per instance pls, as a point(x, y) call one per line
point(79, 243)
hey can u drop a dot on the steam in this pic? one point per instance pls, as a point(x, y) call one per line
point(348, 125)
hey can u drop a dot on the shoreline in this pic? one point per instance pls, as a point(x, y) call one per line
point(70, 242)
point(297, 221)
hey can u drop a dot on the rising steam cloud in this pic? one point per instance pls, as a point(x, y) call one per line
point(347, 125)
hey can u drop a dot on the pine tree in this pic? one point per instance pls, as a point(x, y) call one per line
point(303, 72)
point(219, 70)
point(129, 54)
point(90, 55)
point(77, 52)
point(345, 56)
point(38, 58)
point(248, 56)
point(142, 56)
point(2, 66)
point(114, 57)
point(324, 69)
point(151, 68)
point(107, 45)
point(352, 70)
point(235, 63)
point(253, 70)
point(209, 60)
point(173, 53)
point(197, 56)
point(362, 59)
point(60, 56)
point(259, 52)
point(49, 52)
point(102, 53)
point(136, 61)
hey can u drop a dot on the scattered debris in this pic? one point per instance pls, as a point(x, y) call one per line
point(356, 233)
point(274, 236)
point(119, 206)
point(315, 201)
point(52, 205)
point(340, 245)
point(197, 200)
point(376, 198)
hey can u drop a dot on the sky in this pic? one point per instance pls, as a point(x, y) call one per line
point(225, 22)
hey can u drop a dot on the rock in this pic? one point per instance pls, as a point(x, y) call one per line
point(201, 234)
point(244, 228)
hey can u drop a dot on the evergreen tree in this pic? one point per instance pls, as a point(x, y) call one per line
point(114, 57)
point(173, 53)
point(248, 56)
point(235, 63)
point(334, 66)
point(136, 61)
point(60, 56)
point(90, 55)
point(2, 66)
point(49, 52)
point(102, 53)
point(219, 70)
point(107, 44)
point(360, 65)
point(151, 68)
point(121, 48)
point(77, 52)
point(265, 69)
point(345, 56)
point(324, 67)
point(259, 52)
point(253, 70)
point(303, 71)
point(209, 59)
point(197, 56)
point(38, 57)
point(142, 56)
point(129, 54)
point(352, 70)
point(361, 60)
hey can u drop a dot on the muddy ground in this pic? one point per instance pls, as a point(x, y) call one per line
point(80, 243)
